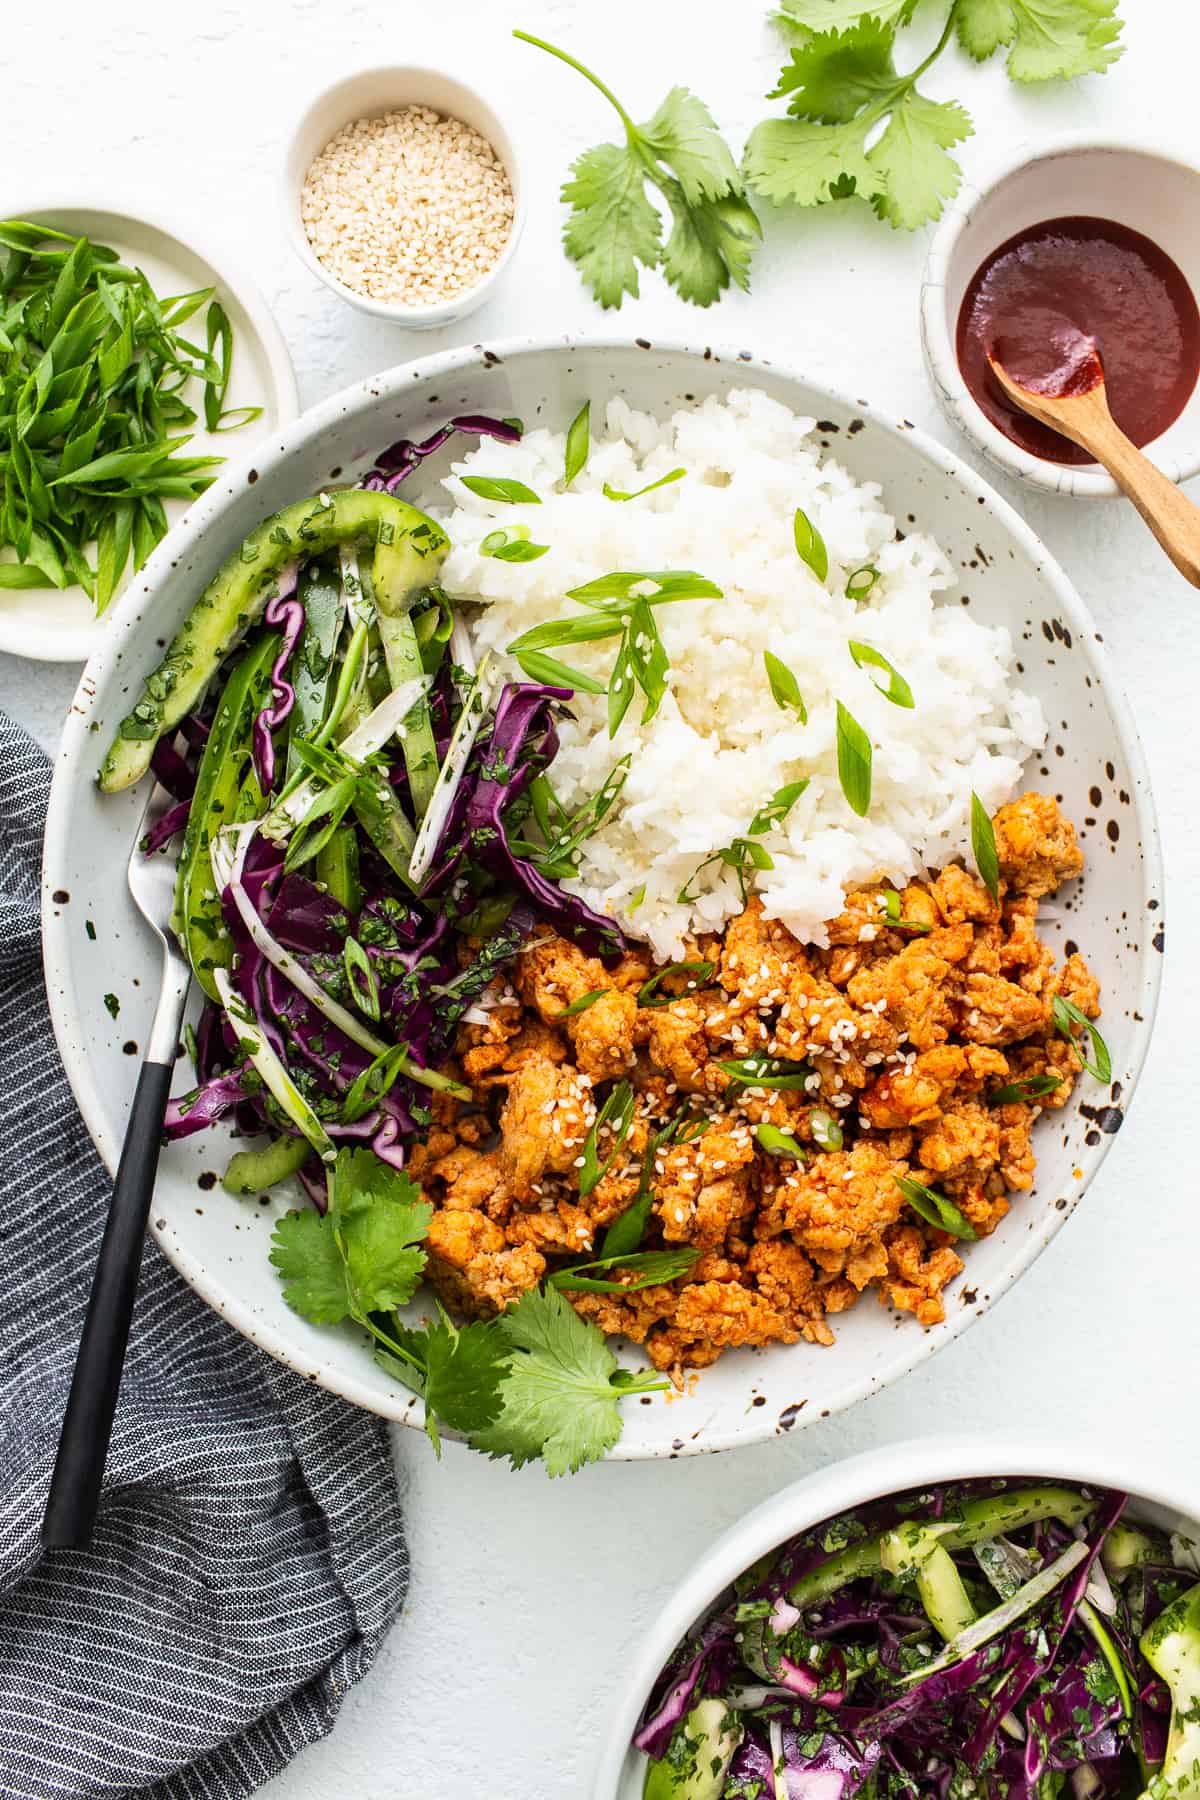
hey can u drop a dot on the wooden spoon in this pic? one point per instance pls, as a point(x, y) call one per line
point(1086, 420)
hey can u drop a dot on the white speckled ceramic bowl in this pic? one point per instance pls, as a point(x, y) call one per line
point(95, 944)
point(853, 1483)
point(1148, 190)
point(365, 96)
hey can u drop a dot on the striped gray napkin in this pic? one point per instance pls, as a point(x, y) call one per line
point(249, 1556)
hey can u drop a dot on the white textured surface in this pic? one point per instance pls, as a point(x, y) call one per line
point(527, 1594)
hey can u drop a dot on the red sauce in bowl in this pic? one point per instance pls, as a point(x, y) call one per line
point(1067, 300)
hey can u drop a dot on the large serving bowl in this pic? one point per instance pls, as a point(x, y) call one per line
point(854, 1483)
point(97, 946)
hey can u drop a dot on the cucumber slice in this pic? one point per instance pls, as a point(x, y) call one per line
point(409, 551)
point(698, 1756)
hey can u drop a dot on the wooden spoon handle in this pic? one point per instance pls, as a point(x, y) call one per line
point(1171, 516)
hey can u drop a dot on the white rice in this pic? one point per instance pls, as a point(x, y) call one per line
point(720, 746)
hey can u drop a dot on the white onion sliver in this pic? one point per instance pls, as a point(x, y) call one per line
point(458, 751)
point(288, 965)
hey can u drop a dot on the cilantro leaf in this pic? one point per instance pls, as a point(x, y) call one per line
point(914, 171)
point(804, 161)
point(456, 1372)
point(838, 15)
point(612, 226)
point(615, 225)
point(1048, 39)
point(831, 77)
point(560, 1394)
point(359, 1257)
point(305, 1252)
point(379, 1217)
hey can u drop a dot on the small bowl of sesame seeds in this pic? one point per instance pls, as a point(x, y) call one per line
point(404, 195)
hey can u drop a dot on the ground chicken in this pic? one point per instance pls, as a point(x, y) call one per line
point(912, 1034)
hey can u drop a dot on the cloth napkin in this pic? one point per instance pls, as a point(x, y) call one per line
point(249, 1556)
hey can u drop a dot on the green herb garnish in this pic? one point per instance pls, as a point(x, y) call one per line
point(935, 1208)
point(983, 843)
point(779, 1143)
point(1032, 1088)
point(1066, 1016)
point(612, 493)
point(648, 994)
point(649, 1269)
point(766, 1072)
point(856, 126)
point(895, 688)
point(361, 978)
point(617, 1113)
point(579, 444)
point(891, 907)
point(500, 488)
point(511, 546)
point(854, 761)
point(785, 689)
point(582, 1004)
point(614, 224)
point(777, 807)
point(827, 1133)
point(810, 545)
point(93, 372)
point(860, 582)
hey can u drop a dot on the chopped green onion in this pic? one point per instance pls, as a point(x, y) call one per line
point(612, 493)
point(861, 581)
point(785, 689)
point(935, 1208)
point(582, 1004)
point(617, 1113)
point(983, 844)
point(854, 761)
point(895, 689)
point(891, 906)
point(361, 978)
point(578, 444)
point(650, 1268)
point(512, 546)
point(540, 667)
point(766, 1071)
point(810, 545)
point(777, 807)
point(374, 1082)
point(668, 584)
point(827, 1133)
point(779, 1143)
point(649, 989)
point(494, 487)
point(1032, 1088)
point(1066, 1016)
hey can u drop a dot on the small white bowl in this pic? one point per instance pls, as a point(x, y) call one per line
point(1149, 190)
point(367, 95)
point(620, 1772)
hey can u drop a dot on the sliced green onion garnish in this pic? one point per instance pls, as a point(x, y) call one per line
point(1066, 1016)
point(810, 545)
point(1032, 1088)
point(766, 1071)
point(612, 493)
point(578, 444)
point(648, 994)
point(785, 689)
point(617, 1113)
point(779, 1143)
point(860, 583)
point(777, 807)
point(492, 487)
point(935, 1208)
point(582, 1004)
point(826, 1130)
point(895, 688)
point(983, 845)
point(854, 761)
point(361, 978)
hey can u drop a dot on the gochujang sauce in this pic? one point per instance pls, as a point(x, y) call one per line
point(1065, 299)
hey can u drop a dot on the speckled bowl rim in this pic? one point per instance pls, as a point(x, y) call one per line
point(393, 384)
point(871, 1475)
point(941, 360)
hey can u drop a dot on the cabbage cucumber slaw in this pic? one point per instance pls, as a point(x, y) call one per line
point(992, 1638)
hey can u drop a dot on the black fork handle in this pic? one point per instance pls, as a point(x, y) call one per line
point(87, 1425)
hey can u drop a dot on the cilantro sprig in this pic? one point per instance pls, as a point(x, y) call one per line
point(539, 1381)
point(615, 224)
point(856, 124)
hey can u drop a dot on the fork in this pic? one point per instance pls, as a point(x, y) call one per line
point(87, 1423)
